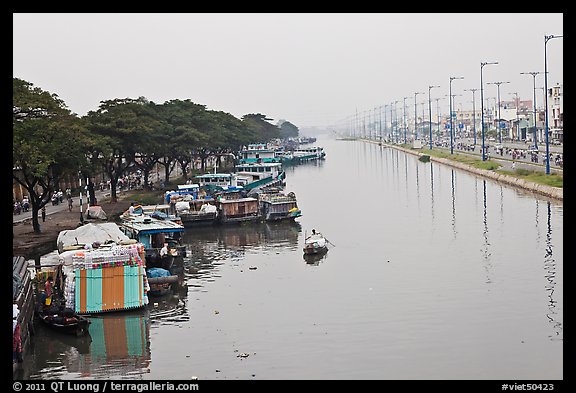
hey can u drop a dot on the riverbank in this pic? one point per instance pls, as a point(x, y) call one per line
point(540, 189)
point(27, 243)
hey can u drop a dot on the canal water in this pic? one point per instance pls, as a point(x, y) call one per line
point(432, 273)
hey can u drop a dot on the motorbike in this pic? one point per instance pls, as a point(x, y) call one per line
point(17, 208)
point(55, 200)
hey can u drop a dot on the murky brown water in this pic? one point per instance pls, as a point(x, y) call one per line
point(433, 274)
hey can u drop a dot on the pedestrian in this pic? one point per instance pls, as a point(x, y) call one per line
point(513, 165)
point(43, 213)
point(131, 208)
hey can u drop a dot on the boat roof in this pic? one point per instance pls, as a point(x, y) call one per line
point(276, 198)
point(151, 208)
point(148, 225)
point(247, 199)
point(188, 186)
point(211, 175)
point(258, 164)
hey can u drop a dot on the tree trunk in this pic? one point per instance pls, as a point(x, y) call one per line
point(167, 173)
point(35, 222)
point(146, 174)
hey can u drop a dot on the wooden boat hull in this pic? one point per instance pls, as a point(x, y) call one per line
point(78, 328)
point(194, 219)
point(314, 250)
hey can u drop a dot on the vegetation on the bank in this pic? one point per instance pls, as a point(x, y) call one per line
point(51, 144)
point(538, 177)
point(464, 158)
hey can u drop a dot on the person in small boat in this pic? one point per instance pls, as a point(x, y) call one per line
point(48, 291)
point(313, 231)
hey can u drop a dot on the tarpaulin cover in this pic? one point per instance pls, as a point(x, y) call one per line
point(90, 233)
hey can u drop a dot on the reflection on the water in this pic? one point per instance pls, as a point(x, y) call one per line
point(169, 308)
point(550, 269)
point(486, 245)
point(210, 247)
point(453, 204)
point(495, 252)
point(118, 346)
point(432, 191)
point(315, 259)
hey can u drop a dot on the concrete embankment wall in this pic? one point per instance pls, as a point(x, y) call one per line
point(548, 191)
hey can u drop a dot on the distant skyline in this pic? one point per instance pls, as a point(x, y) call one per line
point(312, 69)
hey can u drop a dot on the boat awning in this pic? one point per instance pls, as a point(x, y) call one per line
point(163, 230)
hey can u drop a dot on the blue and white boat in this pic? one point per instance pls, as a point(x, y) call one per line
point(153, 233)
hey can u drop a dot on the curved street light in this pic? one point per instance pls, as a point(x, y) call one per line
point(482, 64)
point(473, 111)
point(534, 73)
point(499, 118)
point(451, 127)
point(430, 110)
point(405, 98)
point(416, 116)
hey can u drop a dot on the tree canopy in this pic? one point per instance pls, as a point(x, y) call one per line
point(50, 142)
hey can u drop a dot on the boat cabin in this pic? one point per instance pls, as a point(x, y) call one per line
point(233, 209)
point(256, 153)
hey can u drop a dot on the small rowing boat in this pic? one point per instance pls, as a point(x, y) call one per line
point(316, 243)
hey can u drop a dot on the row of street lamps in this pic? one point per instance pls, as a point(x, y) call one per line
point(482, 65)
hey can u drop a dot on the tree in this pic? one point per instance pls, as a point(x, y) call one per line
point(184, 121)
point(49, 143)
point(261, 128)
point(124, 127)
point(288, 130)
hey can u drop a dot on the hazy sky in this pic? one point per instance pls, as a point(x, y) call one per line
point(310, 69)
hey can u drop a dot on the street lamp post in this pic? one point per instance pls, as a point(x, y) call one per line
point(396, 119)
point(499, 119)
point(416, 116)
point(546, 39)
point(473, 111)
point(534, 73)
point(517, 118)
point(405, 98)
point(430, 114)
point(438, 113)
point(451, 126)
point(482, 64)
point(394, 136)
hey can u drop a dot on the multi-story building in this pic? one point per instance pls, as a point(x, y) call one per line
point(555, 113)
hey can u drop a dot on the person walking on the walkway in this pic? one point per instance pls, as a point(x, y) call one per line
point(43, 213)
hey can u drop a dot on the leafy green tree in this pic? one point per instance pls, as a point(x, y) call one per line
point(261, 129)
point(123, 127)
point(48, 144)
point(184, 121)
point(288, 130)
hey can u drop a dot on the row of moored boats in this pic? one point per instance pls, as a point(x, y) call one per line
point(103, 266)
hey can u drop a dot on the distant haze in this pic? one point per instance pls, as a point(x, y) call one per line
point(309, 69)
